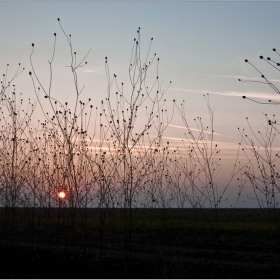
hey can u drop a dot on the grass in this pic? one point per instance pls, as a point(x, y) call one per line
point(177, 226)
point(244, 242)
point(232, 219)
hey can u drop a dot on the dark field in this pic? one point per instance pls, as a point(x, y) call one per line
point(141, 243)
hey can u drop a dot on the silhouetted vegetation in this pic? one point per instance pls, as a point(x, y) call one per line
point(132, 205)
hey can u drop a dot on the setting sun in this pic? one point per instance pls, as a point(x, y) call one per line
point(61, 194)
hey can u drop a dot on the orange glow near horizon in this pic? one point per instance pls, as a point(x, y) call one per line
point(61, 195)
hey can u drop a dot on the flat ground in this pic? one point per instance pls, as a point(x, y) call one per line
point(143, 243)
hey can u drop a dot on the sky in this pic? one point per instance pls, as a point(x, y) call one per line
point(201, 45)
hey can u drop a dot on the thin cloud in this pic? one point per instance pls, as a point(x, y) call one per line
point(223, 145)
point(231, 76)
point(261, 95)
point(244, 78)
point(194, 129)
point(274, 80)
point(93, 71)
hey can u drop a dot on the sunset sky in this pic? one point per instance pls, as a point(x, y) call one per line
point(201, 46)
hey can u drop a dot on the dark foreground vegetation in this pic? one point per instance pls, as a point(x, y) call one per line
point(92, 192)
point(170, 243)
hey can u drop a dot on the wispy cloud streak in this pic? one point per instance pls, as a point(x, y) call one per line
point(261, 95)
point(93, 71)
point(195, 129)
point(244, 78)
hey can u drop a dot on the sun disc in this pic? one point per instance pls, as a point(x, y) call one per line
point(61, 195)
